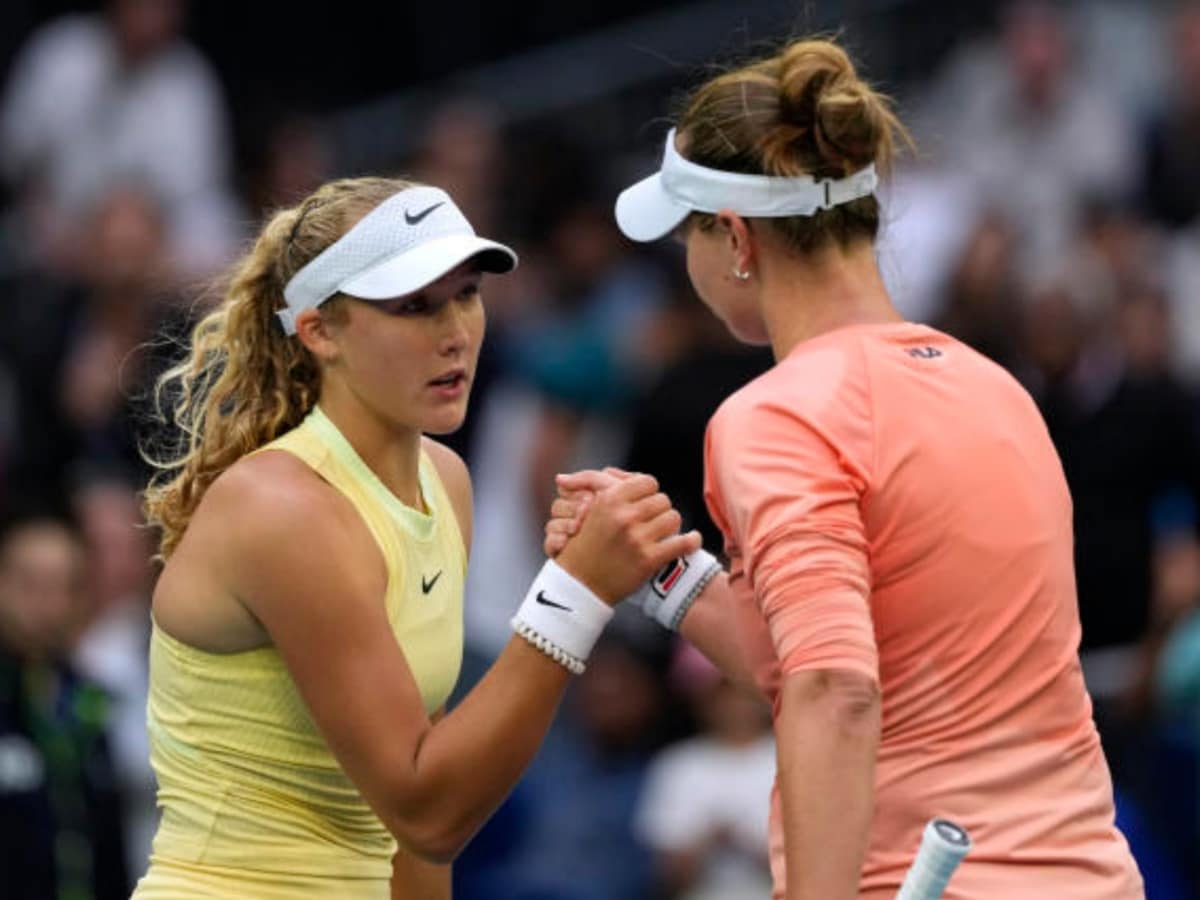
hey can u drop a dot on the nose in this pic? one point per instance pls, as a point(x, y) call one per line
point(454, 333)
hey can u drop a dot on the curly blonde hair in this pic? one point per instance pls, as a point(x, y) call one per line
point(243, 382)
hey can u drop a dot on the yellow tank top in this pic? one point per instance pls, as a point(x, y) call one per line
point(254, 805)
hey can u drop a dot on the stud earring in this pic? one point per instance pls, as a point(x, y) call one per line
point(740, 275)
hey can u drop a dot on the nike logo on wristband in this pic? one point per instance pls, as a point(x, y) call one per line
point(413, 220)
point(545, 601)
point(427, 586)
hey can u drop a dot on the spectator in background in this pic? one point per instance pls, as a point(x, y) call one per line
point(1171, 176)
point(463, 151)
point(587, 780)
point(982, 299)
point(701, 366)
point(1124, 428)
point(117, 96)
point(1171, 188)
point(1034, 137)
point(1182, 282)
point(1176, 683)
point(8, 425)
point(585, 357)
point(294, 159)
point(114, 639)
point(705, 805)
point(60, 819)
point(83, 354)
point(1161, 749)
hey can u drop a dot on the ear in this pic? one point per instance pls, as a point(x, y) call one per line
point(316, 334)
point(740, 238)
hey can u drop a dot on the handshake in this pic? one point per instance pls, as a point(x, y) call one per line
point(612, 535)
point(618, 535)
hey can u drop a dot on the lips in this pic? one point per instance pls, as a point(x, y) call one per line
point(453, 378)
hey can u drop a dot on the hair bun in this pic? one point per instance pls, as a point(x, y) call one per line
point(821, 94)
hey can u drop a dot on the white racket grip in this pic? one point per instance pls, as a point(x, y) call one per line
point(943, 846)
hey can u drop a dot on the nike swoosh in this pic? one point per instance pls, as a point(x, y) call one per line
point(413, 220)
point(542, 599)
point(426, 587)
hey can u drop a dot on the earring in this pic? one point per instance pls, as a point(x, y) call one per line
point(740, 275)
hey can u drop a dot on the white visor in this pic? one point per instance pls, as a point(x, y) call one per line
point(655, 206)
point(407, 242)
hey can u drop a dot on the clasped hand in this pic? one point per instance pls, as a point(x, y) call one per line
point(613, 529)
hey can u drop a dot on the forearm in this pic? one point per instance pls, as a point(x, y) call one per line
point(471, 759)
point(414, 878)
point(827, 736)
point(710, 627)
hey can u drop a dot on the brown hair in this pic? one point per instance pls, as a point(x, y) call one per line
point(243, 381)
point(803, 111)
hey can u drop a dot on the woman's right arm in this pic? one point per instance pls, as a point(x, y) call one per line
point(709, 624)
point(710, 627)
point(298, 556)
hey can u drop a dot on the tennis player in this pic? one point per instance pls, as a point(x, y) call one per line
point(896, 520)
point(308, 621)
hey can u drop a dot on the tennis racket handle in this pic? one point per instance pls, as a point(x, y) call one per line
point(943, 845)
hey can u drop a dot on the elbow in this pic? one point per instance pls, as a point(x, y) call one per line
point(423, 816)
point(438, 853)
point(432, 826)
point(857, 697)
point(851, 699)
point(434, 842)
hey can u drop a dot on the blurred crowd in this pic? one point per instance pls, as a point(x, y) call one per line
point(1050, 217)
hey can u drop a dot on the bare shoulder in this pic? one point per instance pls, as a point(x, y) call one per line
point(457, 479)
point(272, 496)
point(254, 530)
point(273, 512)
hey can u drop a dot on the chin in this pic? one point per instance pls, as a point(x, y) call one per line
point(438, 425)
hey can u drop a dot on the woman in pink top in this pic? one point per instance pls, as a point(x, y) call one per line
point(896, 521)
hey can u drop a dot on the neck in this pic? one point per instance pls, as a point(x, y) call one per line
point(831, 289)
point(392, 452)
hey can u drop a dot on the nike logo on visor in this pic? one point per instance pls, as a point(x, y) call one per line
point(413, 220)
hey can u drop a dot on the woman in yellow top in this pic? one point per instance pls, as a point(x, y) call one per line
point(308, 621)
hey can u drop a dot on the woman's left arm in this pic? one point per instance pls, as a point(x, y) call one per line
point(827, 734)
point(791, 491)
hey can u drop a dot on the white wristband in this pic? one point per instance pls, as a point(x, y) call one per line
point(561, 614)
point(668, 596)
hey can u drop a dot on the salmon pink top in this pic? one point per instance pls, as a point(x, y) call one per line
point(892, 504)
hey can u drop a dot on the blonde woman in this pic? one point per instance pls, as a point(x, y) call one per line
point(308, 620)
point(899, 531)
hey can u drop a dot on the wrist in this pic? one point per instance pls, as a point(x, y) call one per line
point(571, 566)
point(561, 616)
point(669, 595)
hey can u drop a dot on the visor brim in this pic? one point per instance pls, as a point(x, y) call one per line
point(424, 264)
point(646, 212)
